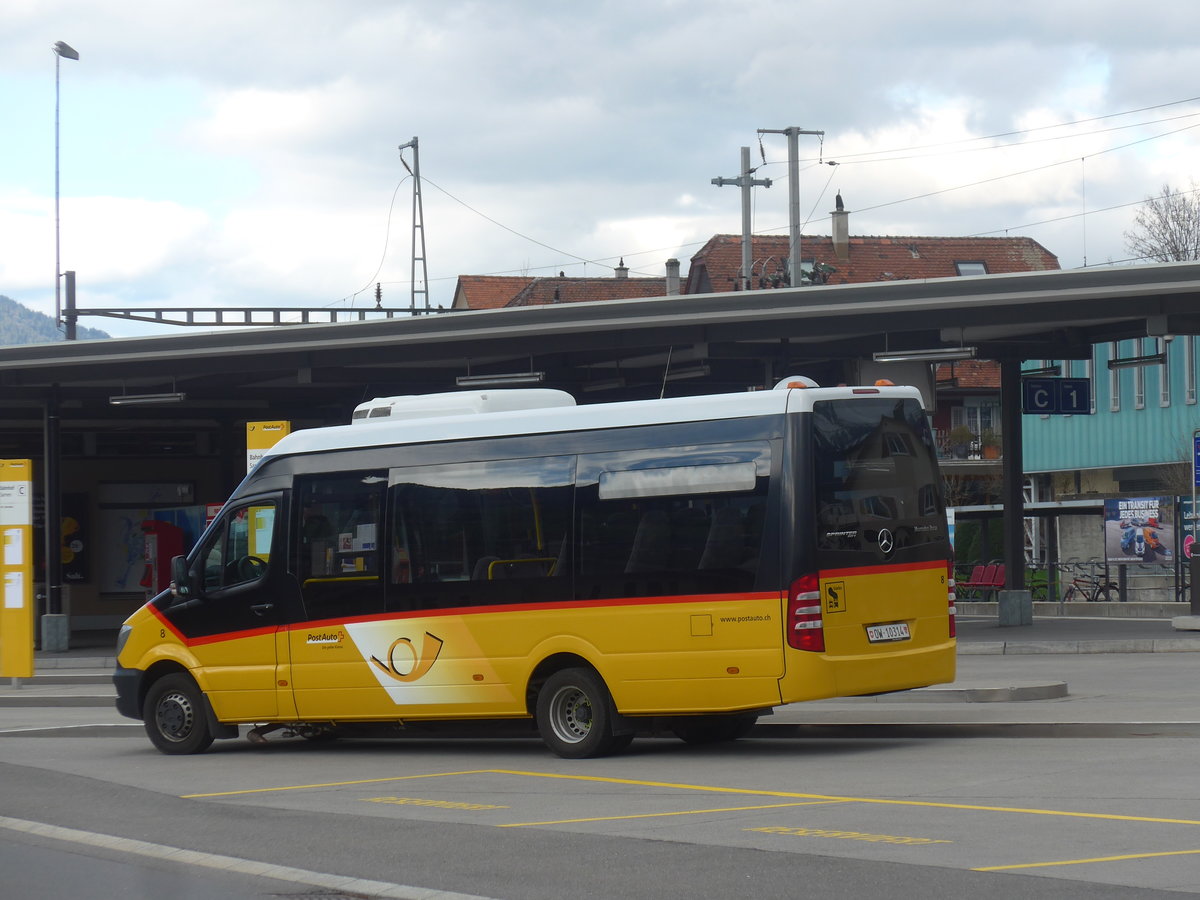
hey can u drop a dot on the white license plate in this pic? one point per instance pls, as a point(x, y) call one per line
point(881, 634)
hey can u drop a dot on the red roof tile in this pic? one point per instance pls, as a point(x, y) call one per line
point(487, 291)
point(494, 291)
point(715, 267)
point(544, 291)
point(969, 374)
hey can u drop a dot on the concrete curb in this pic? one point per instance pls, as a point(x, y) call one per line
point(1133, 609)
point(1012, 648)
point(53, 661)
point(970, 692)
point(45, 701)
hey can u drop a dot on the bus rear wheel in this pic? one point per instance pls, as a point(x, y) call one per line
point(174, 716)
point(575, 715)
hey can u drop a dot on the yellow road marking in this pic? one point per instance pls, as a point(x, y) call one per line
point(713, 789)
point(329, 784)
point(1079, 862)
point(871, 800)
point(686, 812)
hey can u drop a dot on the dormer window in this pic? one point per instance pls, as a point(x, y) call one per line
point(970, 268)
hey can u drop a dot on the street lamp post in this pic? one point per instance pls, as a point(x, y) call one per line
point(61, 49)
point(56, 629)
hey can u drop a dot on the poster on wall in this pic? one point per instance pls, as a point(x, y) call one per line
point(1139, 530)
point(122, 543)
point(1188, 528)
point(76, 552)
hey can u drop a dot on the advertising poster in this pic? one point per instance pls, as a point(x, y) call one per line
point(1139, 530)
point(1188, 528)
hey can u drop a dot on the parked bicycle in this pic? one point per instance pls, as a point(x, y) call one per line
point(1090, 586)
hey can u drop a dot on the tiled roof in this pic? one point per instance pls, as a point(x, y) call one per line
point(493, 291)
point(542, 291)
point(969, 374)
point(716, 265)
point(487, 291)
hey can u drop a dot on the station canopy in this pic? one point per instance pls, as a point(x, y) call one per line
point(617, 349)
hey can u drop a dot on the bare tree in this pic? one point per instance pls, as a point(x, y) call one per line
point(1167, 227)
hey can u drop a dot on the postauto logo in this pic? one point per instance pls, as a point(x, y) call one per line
point(412, 664)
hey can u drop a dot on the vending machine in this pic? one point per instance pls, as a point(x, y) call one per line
point(163, 542)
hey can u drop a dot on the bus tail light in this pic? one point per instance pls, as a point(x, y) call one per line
point(951, 597)
point(805, 629)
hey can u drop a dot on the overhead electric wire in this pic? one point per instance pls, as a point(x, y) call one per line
point(386, 237)
point(1052, 165)
point(859, 158)
point(512, 230)
point(1004, 134)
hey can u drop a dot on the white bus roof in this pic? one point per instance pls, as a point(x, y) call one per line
point(439, 426)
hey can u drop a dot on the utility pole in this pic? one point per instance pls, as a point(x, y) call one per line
point(418, 220)
point(745, 181)
point(793, 135)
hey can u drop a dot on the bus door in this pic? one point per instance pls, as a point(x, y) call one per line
point(239, 601)
point(339, 565)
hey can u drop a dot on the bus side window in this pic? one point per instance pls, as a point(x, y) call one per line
point(661, 523)
point(338, 561)
point(479, 534)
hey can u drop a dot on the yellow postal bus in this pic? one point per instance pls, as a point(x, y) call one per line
point(687, 563)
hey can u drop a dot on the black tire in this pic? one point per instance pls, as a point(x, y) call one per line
point(713, 729)
point(175, 716)
point(575, 715)
point(1102, 593)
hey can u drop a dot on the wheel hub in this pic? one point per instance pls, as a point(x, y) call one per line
point(175, 716)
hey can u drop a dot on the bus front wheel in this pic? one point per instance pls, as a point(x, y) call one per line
point(575, 715)
point(174, 715)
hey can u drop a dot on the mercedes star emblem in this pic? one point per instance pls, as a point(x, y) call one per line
point(885, 540)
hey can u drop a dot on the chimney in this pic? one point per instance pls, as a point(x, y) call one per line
point(622, 270)
point(841, 230)
point(672, 277)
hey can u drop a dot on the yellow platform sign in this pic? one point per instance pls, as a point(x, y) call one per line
point(261, 437)
point(16, 568)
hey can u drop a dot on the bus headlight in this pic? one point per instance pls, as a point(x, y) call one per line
point(123, 637)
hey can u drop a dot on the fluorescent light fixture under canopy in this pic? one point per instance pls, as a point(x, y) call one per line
point(500, 380)
point(934, 354)
point(146, 399)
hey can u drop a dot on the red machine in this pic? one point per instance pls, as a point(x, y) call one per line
point(164, 542)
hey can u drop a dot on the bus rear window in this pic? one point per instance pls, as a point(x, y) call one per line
point(877, 485)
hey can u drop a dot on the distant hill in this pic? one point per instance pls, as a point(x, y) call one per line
point(22, 325)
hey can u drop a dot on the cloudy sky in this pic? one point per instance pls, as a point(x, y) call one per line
point(245, 152)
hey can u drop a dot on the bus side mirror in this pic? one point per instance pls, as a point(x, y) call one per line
point(181, 578)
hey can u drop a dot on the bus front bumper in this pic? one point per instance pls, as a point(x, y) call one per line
point(127, 682)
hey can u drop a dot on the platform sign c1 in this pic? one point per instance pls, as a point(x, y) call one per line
point(16, 568)
point(1056, 396)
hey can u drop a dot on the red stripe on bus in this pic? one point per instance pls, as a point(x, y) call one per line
point(528, 607)
point(939, 564)
point(209, 638)
point(465, 611)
